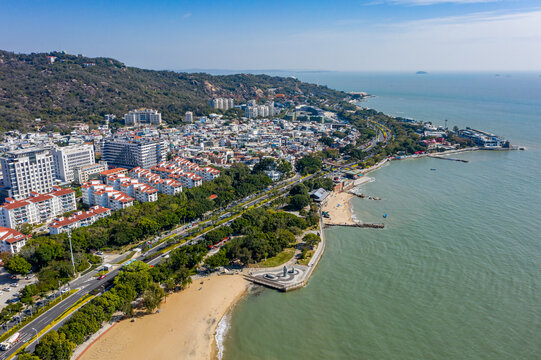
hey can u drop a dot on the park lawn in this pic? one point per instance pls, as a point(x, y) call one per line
point(277, 260)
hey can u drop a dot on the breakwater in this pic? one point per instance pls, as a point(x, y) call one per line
point(448, 158)
point(359, 225)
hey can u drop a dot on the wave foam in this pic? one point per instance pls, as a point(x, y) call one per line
point(221, 332)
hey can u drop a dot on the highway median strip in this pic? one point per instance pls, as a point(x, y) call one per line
point(38, 313)
point(82, 301)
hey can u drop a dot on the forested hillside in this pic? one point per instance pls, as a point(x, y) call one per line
point(77, 88)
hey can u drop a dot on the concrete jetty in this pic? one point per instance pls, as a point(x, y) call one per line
point(359, 225)
point(448, 158)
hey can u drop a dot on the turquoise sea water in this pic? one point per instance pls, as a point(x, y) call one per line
point(456, 273)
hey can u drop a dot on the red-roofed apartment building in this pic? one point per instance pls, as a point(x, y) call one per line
point(164, 186)
point(135, 188)
point(11, 240)
point(78, 219)
point(96, 193)
point(38, 208)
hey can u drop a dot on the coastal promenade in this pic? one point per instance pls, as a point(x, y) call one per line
point(296, 276)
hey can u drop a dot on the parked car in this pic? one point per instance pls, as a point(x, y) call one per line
point(13, 284)
point(6, 289)
point(65, 290)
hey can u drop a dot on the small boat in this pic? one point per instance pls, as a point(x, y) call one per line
point(433, 169)
point(384, 216)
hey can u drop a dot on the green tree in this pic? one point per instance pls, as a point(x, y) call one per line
point(311, 239)
point(264, 164)
point(135, 275)
point(284, 167)
point(299, 189)
point(308, 165)
point(153, 297)
point(28, 356)
point(299, 201)
point(18, 265)
point(27, 294)
point(326, 140)
point(217, 260)
point(54, 346)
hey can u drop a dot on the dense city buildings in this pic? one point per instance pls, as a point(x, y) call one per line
point(38, 208)
point(130, 152)
point(136, 165)
point(67, 158)
point(25, 171)
point(143, 116)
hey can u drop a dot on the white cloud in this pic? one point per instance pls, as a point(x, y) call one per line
point(490, 41)
point(187, 15)
point(480, 41)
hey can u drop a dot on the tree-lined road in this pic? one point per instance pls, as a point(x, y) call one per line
point(88, 283)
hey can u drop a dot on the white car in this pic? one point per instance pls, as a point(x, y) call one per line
point(13, 284)
point(6, 289)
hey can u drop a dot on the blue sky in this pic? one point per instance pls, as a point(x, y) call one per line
point(371, 35)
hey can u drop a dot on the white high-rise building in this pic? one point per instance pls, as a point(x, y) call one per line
point(189, 117)
point(27, 170)
point(67, 158)
point(143, 116)
point(131, 152)
point(222, 103)
point(251, 112)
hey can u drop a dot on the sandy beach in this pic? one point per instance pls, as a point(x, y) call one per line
point(339, 209)
point(184, 328)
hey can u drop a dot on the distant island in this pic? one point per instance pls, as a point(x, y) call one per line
point(421, 72)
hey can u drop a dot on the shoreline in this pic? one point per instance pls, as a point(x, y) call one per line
point(185, 328)
point(338, 207)
point(215, 350)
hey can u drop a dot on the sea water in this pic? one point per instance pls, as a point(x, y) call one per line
point(456, 273)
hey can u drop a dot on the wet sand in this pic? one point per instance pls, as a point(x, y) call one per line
point(184, 328)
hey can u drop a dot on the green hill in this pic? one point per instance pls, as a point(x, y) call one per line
point(80, 89)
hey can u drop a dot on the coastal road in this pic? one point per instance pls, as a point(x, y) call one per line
point(88, 282)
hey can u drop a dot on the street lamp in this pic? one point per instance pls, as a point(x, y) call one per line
point(71, 252)
point(37, 335)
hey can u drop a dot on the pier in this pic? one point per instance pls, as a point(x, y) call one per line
point(359, 225)
point(448, 158)
point(364, 196)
